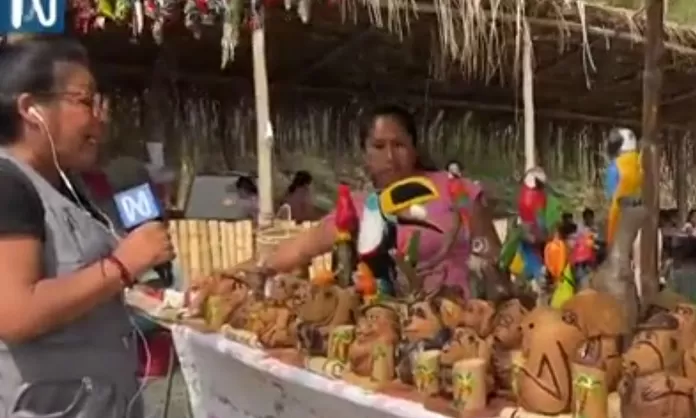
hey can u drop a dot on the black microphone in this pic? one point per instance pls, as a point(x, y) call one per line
point(136, 206)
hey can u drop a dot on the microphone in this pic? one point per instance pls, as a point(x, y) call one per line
point(136, 206)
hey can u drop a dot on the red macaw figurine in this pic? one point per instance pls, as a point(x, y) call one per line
point(346, 216)
point(459, 195)
point(532, 201)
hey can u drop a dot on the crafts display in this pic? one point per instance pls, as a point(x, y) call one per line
point(371, 323)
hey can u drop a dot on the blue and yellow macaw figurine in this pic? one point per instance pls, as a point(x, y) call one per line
point(624, 176)
point(400, 203)
point(539, 213)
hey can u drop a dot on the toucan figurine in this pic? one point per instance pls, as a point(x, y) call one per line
point(624, 176)
point(400, 203)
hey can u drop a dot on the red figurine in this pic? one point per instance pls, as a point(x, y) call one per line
point(346, 218)
point(532, 202)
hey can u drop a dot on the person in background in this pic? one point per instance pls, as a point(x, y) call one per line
point(299, 197)
point(588, 221)
point(389, 140)
point(247, 197)
point(454, 168)
point(568, 226)
point(690, 224)
point(66, 343)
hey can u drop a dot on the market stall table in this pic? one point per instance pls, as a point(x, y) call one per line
point(229, 380)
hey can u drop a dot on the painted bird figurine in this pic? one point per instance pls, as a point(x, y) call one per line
point(624, 176)
point(401, 202)
point(539, 214)
point(346, 222)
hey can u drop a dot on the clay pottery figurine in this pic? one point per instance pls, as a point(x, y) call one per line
point(686, 315)
point(690, 363)
point(656, 347)
point(590, 390)
point(657, 395)
point(478, 315)
point(505, 339)
point(271, 323)
point(225, 297)
point(544, 382)
point(465, 344)
point(325, 307)
point(600, 318)
point(372, 355)
point(469, 385)
point(340, 339)
point(426, 372)
point(423, 330)
point(289, 291)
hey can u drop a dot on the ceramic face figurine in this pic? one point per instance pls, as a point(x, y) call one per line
point(478, 315)
point(544, 382)
point(652, 383)
point(325, 307)
point(686, 315)
point(656, 347)
point(465, 344)
point(371, 356)
point(423, 330)
point(601, 320)
point(505, 339)
point(590, 390)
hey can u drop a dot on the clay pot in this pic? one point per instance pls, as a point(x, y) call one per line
point(590, 389)
point(544, 382)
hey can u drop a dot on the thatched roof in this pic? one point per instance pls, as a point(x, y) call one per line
point(458, 53)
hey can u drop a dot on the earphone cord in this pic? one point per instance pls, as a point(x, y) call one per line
point(138, 332)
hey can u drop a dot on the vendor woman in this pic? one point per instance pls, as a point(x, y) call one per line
point(65, 336)
point(388, 137)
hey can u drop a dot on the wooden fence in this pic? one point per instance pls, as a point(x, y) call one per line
point(204, 246)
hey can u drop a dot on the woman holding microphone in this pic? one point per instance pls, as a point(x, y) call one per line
point(66, 347)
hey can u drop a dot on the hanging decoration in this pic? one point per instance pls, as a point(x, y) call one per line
point(195, 15)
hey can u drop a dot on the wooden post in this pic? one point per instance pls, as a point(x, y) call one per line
point(680, 186)
point(652, 89)
point(528, 97)
point(264, 130)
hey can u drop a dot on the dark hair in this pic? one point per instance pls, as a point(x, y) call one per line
point(587, 213)
point(246, 184)
point(301, 179)
point(29, 66)
point(404, 118)
point(400, 114)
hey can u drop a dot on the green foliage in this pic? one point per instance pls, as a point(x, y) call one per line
point(681, 11)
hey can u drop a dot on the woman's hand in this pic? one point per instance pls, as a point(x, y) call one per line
point(145, 247)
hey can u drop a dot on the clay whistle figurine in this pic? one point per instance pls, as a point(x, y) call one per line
point(478, 315)
point(602, 322)
point(504, 340)
point(326, 307)
point(590, 390)
point(544, 381)
point(464, 345)
point(653, 383)
point(423, 330)
point(372, 355)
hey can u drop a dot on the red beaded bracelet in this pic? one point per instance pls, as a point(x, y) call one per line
point(126, 277)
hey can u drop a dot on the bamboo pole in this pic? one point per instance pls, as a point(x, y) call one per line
point(652, 89)
point(528, 97)
point(264, 130)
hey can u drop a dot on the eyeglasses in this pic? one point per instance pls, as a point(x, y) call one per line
point(96, 102)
